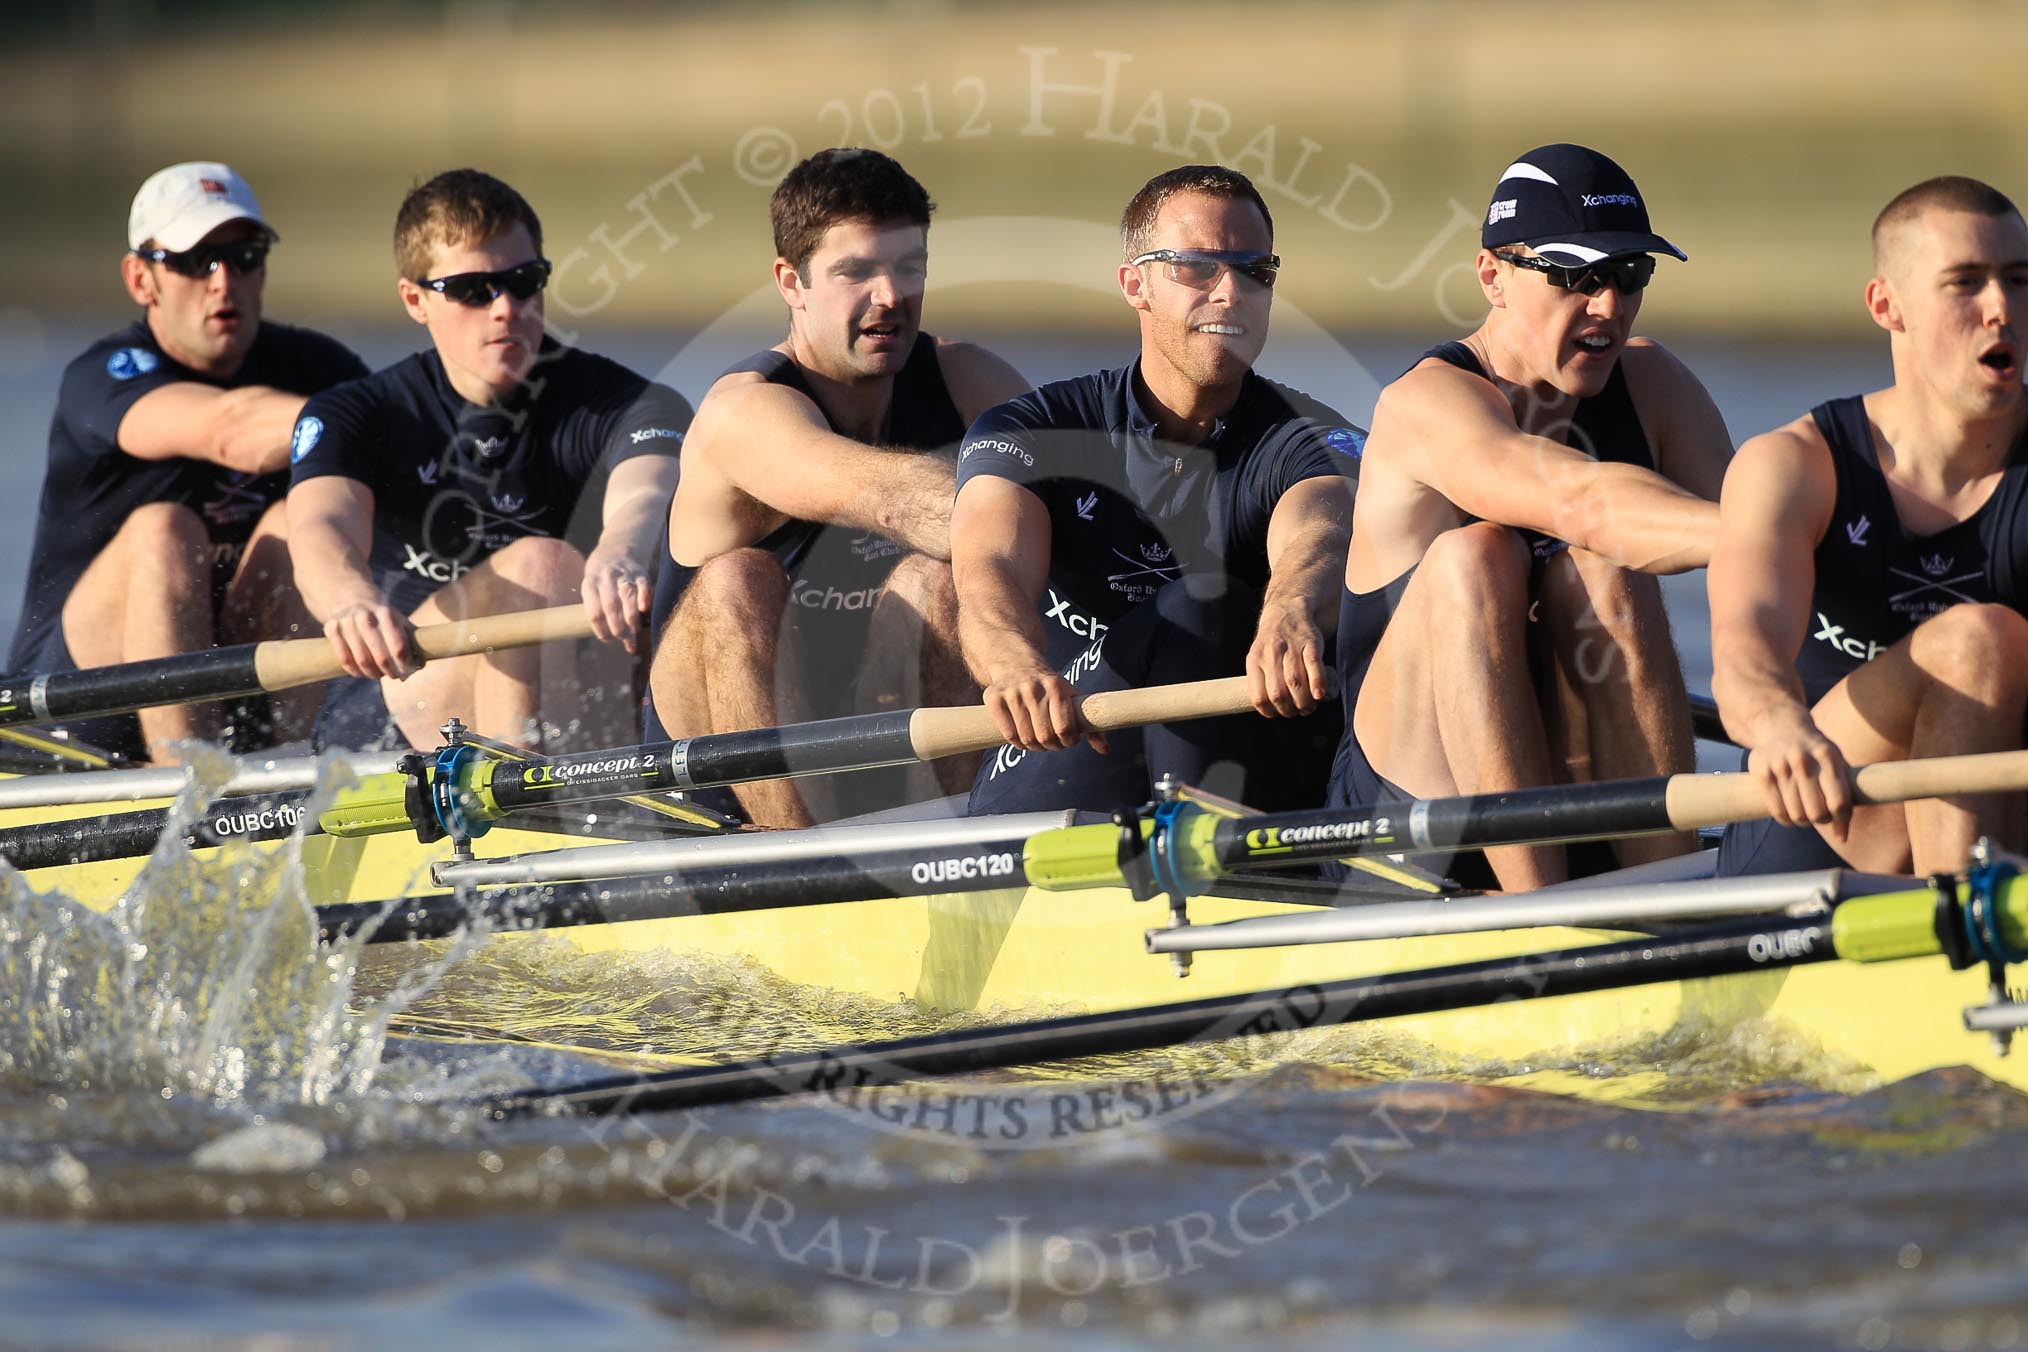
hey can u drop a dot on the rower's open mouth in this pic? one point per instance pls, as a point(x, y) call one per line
point(2003, 358)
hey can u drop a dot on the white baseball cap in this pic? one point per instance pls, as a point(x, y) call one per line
point(180, 205)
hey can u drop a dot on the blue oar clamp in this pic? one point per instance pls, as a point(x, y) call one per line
point(1984, 941)
point(1171, 875)
point(1169, 872)
point(1982, 912)
point(448, 777)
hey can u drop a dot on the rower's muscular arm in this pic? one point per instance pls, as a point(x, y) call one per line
point(330, 535)
point(1000, 565)
point(1306, 544)
point(245, 429)
point(619, 573)
point(1777, 504)
point(1461, 436)
point(773, 445)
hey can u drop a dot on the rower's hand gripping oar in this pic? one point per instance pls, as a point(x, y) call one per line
point(253, 668)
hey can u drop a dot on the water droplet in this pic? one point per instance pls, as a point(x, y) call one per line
point(1910, 1256)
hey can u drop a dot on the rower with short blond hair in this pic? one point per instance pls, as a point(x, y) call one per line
point(1868, 589)
point(444, 486)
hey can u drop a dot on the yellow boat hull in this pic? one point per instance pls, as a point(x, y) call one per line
point(1027, 950)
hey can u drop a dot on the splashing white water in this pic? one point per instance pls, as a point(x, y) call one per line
point(205, 978)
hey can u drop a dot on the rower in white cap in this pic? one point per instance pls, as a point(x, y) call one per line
point(160, 527)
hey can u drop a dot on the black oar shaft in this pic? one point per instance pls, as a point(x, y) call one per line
point(1627, 807)
point(1718, 951)
point(218, 673)
point(862, 741)
point(982, 867)
point(127, 835)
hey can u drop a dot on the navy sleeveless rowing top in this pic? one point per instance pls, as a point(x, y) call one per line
point(1605, 427)
point(1876, 581)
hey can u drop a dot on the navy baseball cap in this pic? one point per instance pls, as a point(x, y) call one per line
point(1571, 205)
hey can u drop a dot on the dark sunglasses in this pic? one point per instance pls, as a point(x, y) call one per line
point(478, 289)
point(1626, 275)
point(243, 257)
point(1200, 269)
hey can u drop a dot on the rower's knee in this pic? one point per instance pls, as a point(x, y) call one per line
point(540, 564)
point(1593, 601)
point(738, 593)
point(1479, 568)
point(165, 535)
point(1978, 649)
point(924, 585)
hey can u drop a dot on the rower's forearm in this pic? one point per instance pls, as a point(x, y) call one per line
point(1641, 521)
point(331, 573)
point(634, 529)
point(1309, 574)
point(999, 636)
point(1755, 692)
point(913, 508)
point(251, 428)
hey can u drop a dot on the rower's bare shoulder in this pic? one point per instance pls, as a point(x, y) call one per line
point(741, 410)
point(1428, 403)
point(1783, 479)
point(977, 377)
point(1653, 370)
point(1799, 443)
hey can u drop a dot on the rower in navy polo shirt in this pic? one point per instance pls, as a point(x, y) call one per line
point(443, 487)
point(1176, 519)
point(160, 528)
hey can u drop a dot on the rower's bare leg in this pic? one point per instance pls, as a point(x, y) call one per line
point(1610, 635)
point(1958, 685)
point(912, 659)
point(715, 670)
point(262, 603)
point(148, 594)
point(499, 694)
point(1448, 705)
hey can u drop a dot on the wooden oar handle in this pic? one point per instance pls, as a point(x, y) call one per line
point(285, 663)
point(1715, 800)
point(949, 732)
